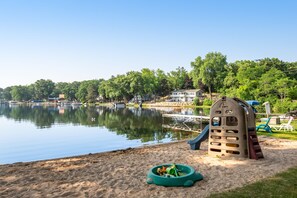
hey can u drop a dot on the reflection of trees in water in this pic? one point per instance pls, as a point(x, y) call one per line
point(143, 124)
point(40, 116)
point(136, 124)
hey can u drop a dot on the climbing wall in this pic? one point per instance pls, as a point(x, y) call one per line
point(231, 133)
point(230, 119)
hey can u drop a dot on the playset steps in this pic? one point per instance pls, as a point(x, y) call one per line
point(255, 151)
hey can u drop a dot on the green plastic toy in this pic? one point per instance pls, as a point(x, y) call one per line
point(175, 175)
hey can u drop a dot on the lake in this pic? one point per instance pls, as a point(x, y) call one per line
point(31, 133)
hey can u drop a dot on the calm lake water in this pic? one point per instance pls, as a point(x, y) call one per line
point(30, 133)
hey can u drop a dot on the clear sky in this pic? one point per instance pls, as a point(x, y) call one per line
point(75, 40)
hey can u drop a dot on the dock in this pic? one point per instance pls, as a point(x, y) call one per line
point(176, 128)
point(180, 121)
point(186, 116)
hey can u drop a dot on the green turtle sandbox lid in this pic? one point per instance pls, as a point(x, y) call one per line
point(173, 175)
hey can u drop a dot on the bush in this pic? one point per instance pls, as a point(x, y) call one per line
point(284, 106)
point(207, 102)
point(196, 101)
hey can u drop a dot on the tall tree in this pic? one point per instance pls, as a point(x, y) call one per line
point(268, 87)
point(163, 86)
point(60, 88)
point(43, 88)
point(71, 89)
point(178, 78)
point(92, 92)
point(211, 70)
point(88, 91)
point(21, 93)
point(149, 81)
point(195, 72)
point(1, 94)
point(136, 83)
point(230, 82)
point(123, 86)
point(6, 93)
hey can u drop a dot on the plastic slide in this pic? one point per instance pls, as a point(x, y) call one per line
point(195, 143)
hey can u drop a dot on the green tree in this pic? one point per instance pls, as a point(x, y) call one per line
point(21, 93)
point(282, 87)
point(212, 71)
point(60, 88)
point(88, 91)
point(1, 94)
point(178, 78)
point(269, 63)
point(292, 70)
point(6, 93)
point(111, 89)
point(136, 83)
point(102, 90)
point(195, 72)
point(92, 93)
point(70, 90)
point(123, 86)
point(149, 81)
point(268, 88)
point(293, 90)
point(231, 83)
point(43, 88)
point(248, 75)
point(163, 86)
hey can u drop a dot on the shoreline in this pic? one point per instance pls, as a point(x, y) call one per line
point(122, 173)
point(98, 153)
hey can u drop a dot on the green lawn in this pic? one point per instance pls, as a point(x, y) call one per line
point(281, 185)
point(292, 135)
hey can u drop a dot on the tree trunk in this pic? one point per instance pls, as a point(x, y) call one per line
point(209, 90)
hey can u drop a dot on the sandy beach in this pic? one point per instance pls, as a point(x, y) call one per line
point(123, 173)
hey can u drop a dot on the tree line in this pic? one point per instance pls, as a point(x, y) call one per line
point(268, 79)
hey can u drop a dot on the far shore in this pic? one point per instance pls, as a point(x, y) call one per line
point(145, 104)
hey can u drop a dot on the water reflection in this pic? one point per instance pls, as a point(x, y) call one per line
point(30, 133)
point(135, 123)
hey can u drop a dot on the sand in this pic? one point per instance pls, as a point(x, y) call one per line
point(123, 173)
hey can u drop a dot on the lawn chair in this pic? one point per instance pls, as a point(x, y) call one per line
point(265, 126)
point(285, 126)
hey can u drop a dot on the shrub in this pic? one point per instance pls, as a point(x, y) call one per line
point(284, 106)
point(196, 101)
point(207, 102)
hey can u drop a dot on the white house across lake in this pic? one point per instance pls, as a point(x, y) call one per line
point(185, 95)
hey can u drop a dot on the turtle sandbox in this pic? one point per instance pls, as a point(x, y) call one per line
point(188, 178)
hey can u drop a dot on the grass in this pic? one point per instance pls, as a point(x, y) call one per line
point(281, 185)
point(291, 135)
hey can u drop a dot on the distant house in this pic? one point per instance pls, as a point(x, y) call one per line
point(185, 95)
point(61, 96)
point(53, 99)
point(57, 99)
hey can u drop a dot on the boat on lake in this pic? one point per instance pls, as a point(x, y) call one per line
point(65, 103)
point(119, 105)
point(76, 104)
point(13, 103)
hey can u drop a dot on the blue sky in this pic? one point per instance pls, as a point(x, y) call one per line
point(75, 40)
